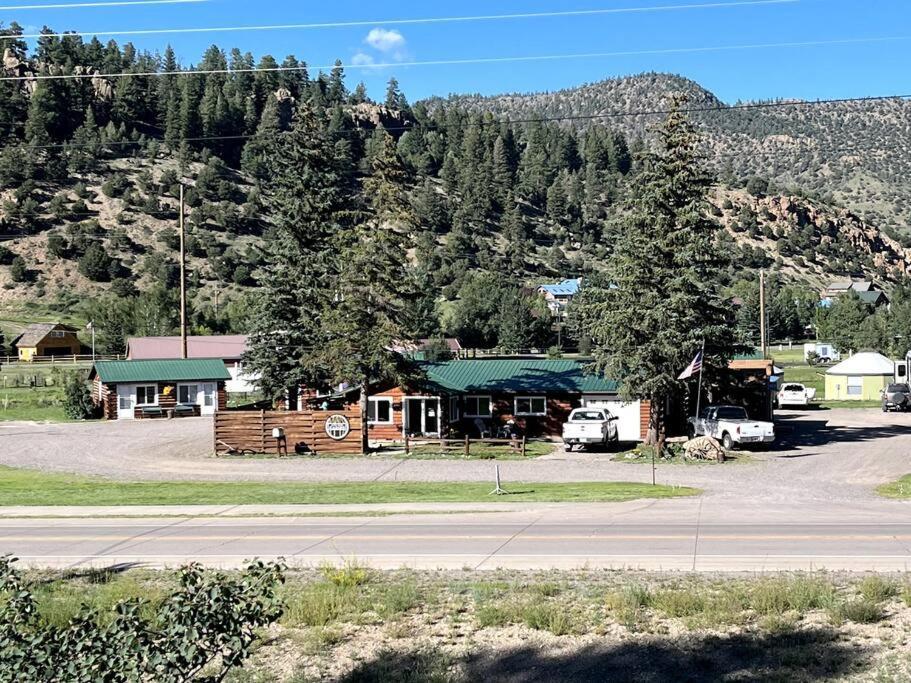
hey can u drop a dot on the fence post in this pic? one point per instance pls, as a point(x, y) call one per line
point(262, 431)
point(407, 444)
point(467, 446)
point(523, 446)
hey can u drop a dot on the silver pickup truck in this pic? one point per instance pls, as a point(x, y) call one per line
point(731, 426)
point(590, 427)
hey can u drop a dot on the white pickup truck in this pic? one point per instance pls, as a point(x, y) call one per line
point(731, 426)
point(590, 427)
point(792, 394)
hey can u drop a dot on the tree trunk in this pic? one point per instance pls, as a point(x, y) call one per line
point(657, 430)
point(362, 404)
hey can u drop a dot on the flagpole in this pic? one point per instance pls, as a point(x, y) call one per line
point(699, 386)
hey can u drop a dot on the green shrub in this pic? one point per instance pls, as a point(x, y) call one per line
point(861, 611)
point(77, 401)
point(548, 616)
point(679, 603)
point(348, 575)
point(877, 589)
point(209, 622)
point(398, 598)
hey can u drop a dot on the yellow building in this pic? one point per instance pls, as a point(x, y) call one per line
point(47, 339)
point(862, 377)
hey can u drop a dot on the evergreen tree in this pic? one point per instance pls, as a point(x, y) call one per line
point(364, 321)
point(659, 297)
point(299, 275)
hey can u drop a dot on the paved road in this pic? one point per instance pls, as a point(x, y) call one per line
point(670, 535)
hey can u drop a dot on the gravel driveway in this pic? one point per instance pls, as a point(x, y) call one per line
point(823, 455)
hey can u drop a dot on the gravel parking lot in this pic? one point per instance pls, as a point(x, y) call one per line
point(825, 455)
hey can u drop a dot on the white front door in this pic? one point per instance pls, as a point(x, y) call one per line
point(126, 401)
point(208, 398)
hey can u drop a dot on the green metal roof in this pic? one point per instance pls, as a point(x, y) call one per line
point(533, 375)
point(114, 371)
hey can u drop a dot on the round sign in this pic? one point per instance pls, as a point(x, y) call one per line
point(337, 427)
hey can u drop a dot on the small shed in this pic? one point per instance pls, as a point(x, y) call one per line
point(137, 389)
point(47, 339)
point(862, 377)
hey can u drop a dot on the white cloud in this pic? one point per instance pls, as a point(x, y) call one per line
point(362, 59)
point(385, 40)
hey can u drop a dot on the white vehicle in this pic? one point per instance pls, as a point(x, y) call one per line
point(590, 427)
point(795, 395)
point(731, 426)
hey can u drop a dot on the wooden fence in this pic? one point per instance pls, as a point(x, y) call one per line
point(517, 445)
point(251, 431)
point(69, 359)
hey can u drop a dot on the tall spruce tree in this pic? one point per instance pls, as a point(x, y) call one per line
point(299, 277)
point(659, 297)
point(364, 320)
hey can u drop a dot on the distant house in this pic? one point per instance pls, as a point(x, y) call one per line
point(47, 339)
point(866, 291)
point(228, 348)
point(138, 389)
point(560, 294)
point(859, 378)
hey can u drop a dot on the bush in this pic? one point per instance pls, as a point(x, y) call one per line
point(862, 611)
point(209, 623)
point(19, 271)
point(77, 400)
point(95, 264)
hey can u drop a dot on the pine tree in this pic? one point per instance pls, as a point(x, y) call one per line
point(659, 297)
point(299, 274)
point(365, 320)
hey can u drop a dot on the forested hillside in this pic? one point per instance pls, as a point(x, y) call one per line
point(857, 154)
point(90, 168)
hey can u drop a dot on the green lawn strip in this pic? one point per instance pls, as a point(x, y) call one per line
point(897, 489)
point(850, 404)
point(26, 487)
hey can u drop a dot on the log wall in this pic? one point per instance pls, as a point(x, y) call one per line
point(305, 431)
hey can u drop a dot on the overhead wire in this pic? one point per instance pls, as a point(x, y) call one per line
point(101, 3)
point(460, 62)
point(417, 20)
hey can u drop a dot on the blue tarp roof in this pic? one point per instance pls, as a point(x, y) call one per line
point(565, 288)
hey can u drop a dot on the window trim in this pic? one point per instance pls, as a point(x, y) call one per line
point(489, 398)
point(531, 411)
point(377, 399)
point(145, 386)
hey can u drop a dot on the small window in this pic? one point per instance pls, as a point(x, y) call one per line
point(57, 334)
point(477, 406)
point(147, 395)
point(379, 411)
point(855, 386)
point(531, 405)
point(188, 394)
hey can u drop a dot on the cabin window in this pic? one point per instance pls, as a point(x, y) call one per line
point(531, 405)
point(188, 393)
point(57, 334)
point(855, 386)
point(477, 406)
point(379, 411)
point(146, 395)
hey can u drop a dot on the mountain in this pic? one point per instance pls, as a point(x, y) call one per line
point(857, 154)
point(90, 168)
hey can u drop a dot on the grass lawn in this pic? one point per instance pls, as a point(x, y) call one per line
point(897, 489)
point(27, 487)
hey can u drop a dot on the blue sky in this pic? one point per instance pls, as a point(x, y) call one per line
point(820, 71)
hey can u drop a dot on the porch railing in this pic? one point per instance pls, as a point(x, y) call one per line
point(516, 445)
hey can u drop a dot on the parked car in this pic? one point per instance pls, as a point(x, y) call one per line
point(590, 427)
point(897, 397)
point(731, 425)
point(793, 394)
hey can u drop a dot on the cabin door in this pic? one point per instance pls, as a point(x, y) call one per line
point(422, 416)
point(126, 401)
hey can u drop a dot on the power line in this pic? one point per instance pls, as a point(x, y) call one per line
point(84, 5)
point(423, 20)
point(463, 62)
point(535, 119)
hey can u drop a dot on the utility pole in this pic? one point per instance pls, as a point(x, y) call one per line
point(762, 330)
point(183, 282)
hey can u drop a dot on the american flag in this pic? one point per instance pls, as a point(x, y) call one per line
point(694, 367)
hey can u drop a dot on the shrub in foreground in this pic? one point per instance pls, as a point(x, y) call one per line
point(208, 624)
